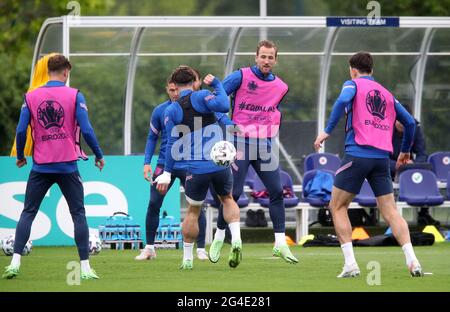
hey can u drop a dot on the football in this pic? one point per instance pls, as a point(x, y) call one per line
point(95, 244)
point(223, 153)
point(8, 246)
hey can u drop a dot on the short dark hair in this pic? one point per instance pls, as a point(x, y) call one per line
point(195, 70)
point(267, 44)
point(169, 80)
point(183, 75)
point(58, 63)
point(197, 73)
point(362, 61)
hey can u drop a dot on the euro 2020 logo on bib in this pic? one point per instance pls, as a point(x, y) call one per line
point(376, 103)
point(50, 114)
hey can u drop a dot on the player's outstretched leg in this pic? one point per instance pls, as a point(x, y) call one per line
point(400, 230)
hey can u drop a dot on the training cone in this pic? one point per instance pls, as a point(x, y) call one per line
point(289, 241)
point(359, 234)
point(438, 238)
point(305, 239)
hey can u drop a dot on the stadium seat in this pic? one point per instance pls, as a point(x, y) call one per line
point(419, 188)
point(213, 201)
point(321, 161)
point(287, 184)
point(440, 161)
point(366, 197)
point(243, 200)
point(311, 199)
point(258, 188)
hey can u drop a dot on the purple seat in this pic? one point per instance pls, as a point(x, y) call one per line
point(250, 177)
point(366, 197)
point(314, 201)
point(214, 201)
point(440, 161)
point(286, 182)
point(448, 186)
point(258, 186)
point(321, 161)
point(418, 188)
point(243, 200)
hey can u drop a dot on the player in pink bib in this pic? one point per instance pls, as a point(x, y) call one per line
point(256, 95)
point(371, 113)
point(57, 115)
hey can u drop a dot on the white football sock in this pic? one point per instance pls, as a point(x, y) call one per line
point(349, 256)
point(187, 251)
point(280, 239)
point(409, 253)
point(151, 247)
point(235, 228)
point(219, 235)
point(85, 267)
point(15, 261)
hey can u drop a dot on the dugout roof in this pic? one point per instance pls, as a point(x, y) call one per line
point(121, 65)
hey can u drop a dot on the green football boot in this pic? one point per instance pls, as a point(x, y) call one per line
point(11, 271)
point(235, 254)
point(214, 250)
point(186, 265)
point(285, 253)
point(89, 275)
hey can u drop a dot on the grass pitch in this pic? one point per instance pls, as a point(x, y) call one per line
point(45, 270)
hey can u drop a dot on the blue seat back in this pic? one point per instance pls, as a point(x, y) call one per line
point(366, 190)
point(366, 197)
point(440, 161)
point(416, 183)
point(286, 180)
point(322, 161)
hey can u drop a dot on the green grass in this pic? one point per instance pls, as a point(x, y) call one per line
point(45, 270)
